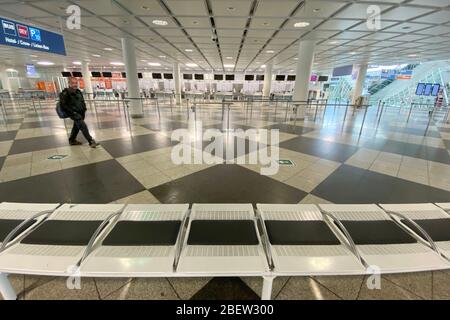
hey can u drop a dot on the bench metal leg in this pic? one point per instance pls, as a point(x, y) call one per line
point(267, 288)
point(6, 288)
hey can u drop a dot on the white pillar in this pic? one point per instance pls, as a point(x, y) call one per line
point(6, 85)
point(87, 79)
point(129, 57)
point(304, 69)
point(177, 78)
point(267, 80)
point(359, 85)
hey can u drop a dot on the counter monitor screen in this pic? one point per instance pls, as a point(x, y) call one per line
point(290, 78)
point(107, 74)
point(218, 77)
point(198, 76)
point(156, 76)
point(66, 74)
point(168, 76)
point(187, 76)
point(229, 77)
point(260, 77)
point(96, 74)
point(249, 77)
point(77, 74)
point(323, 79)
point(139, 75)
point(280, 77)
point(124, 74)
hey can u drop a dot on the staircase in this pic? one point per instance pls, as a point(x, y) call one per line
point(381, 85)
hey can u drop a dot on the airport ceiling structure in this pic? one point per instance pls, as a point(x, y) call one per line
point(238, 35)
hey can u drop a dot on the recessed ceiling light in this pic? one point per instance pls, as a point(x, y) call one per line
point(96, 55)
point(228, 65)
point(145, 8)
point(270, 51)
point(412, 55)
point(144, 60)
point(316, 10)
point(406, 27)
point(188, 50)
point(162, 57)
point(160, 22)
point(194, 22)
point(45, 63)
point(108, 49)
point(116, 63)
point(334, 42)
point(191, 65)
point(154, 64)
point(295, 58)
point(231, 8)
point(265, 24)
point(33, 56)
point(353, 52)
point(263, 66)
point(302, 24)
point(11, 70)
point(229, 58)
point(77, 63)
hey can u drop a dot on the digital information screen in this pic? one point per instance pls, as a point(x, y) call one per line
point(20, 35)
point(31, 71)
point(420, 88)
point(427, 90)
point(435, 90)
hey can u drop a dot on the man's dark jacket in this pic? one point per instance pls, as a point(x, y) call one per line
point(72, 103)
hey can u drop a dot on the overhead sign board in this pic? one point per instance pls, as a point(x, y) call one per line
point(20, 35)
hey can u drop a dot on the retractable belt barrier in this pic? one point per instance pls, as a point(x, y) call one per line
point(221, 240)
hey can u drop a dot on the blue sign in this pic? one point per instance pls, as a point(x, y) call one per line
point(31, 71)
point(15, 34)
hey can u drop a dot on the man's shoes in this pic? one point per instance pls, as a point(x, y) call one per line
point(93, 144)
point(75, 143)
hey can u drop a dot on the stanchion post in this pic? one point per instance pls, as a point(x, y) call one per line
point(410, 110)
point(364, 119)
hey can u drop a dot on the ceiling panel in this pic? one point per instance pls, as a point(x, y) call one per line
point(187, 7)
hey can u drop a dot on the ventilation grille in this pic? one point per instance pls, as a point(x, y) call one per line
point(134, 251)
point(360, 215)
point(393, 249)
point(311, 251)
point(222, 251)
point(53, 251)
point(17, 214)
point(74, 215)
point(291, 215)
point(222, 215)
point(422, 215)
point(152, 215)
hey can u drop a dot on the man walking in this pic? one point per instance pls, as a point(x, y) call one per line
point(72, 103)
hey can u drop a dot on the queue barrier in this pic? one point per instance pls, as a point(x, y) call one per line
point(220, 240)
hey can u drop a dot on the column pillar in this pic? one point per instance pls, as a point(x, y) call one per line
point(304, 68)
point(4, 79)
point(359, 85)
point(87, 79)
point(267, 80)
point(129, 57)
point(177, 78)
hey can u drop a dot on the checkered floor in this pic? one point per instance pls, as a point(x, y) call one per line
point(391, 161)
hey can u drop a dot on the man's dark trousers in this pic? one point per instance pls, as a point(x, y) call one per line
point(79, 124)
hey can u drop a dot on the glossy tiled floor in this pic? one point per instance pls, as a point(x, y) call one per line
point(390, 162)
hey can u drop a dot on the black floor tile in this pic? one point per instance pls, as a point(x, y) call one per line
point(42, 124)
point(127, 146)
point(40, 143)
point(320, 148)
point(2, 160)
point(93, 183)
point(165, 126)
point(225, 289)
point(13, 121)
point(7, 135)
point(349, 184)
point(409, 149)
point(227, 184)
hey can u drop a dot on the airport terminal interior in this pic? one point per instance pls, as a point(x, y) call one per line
point(330, 172)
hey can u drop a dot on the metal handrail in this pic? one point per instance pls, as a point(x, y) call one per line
point(266, 240)
point(17, 228)
point(351, 243)
point(180, 239)
point(88, 248)
point(422, 231)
